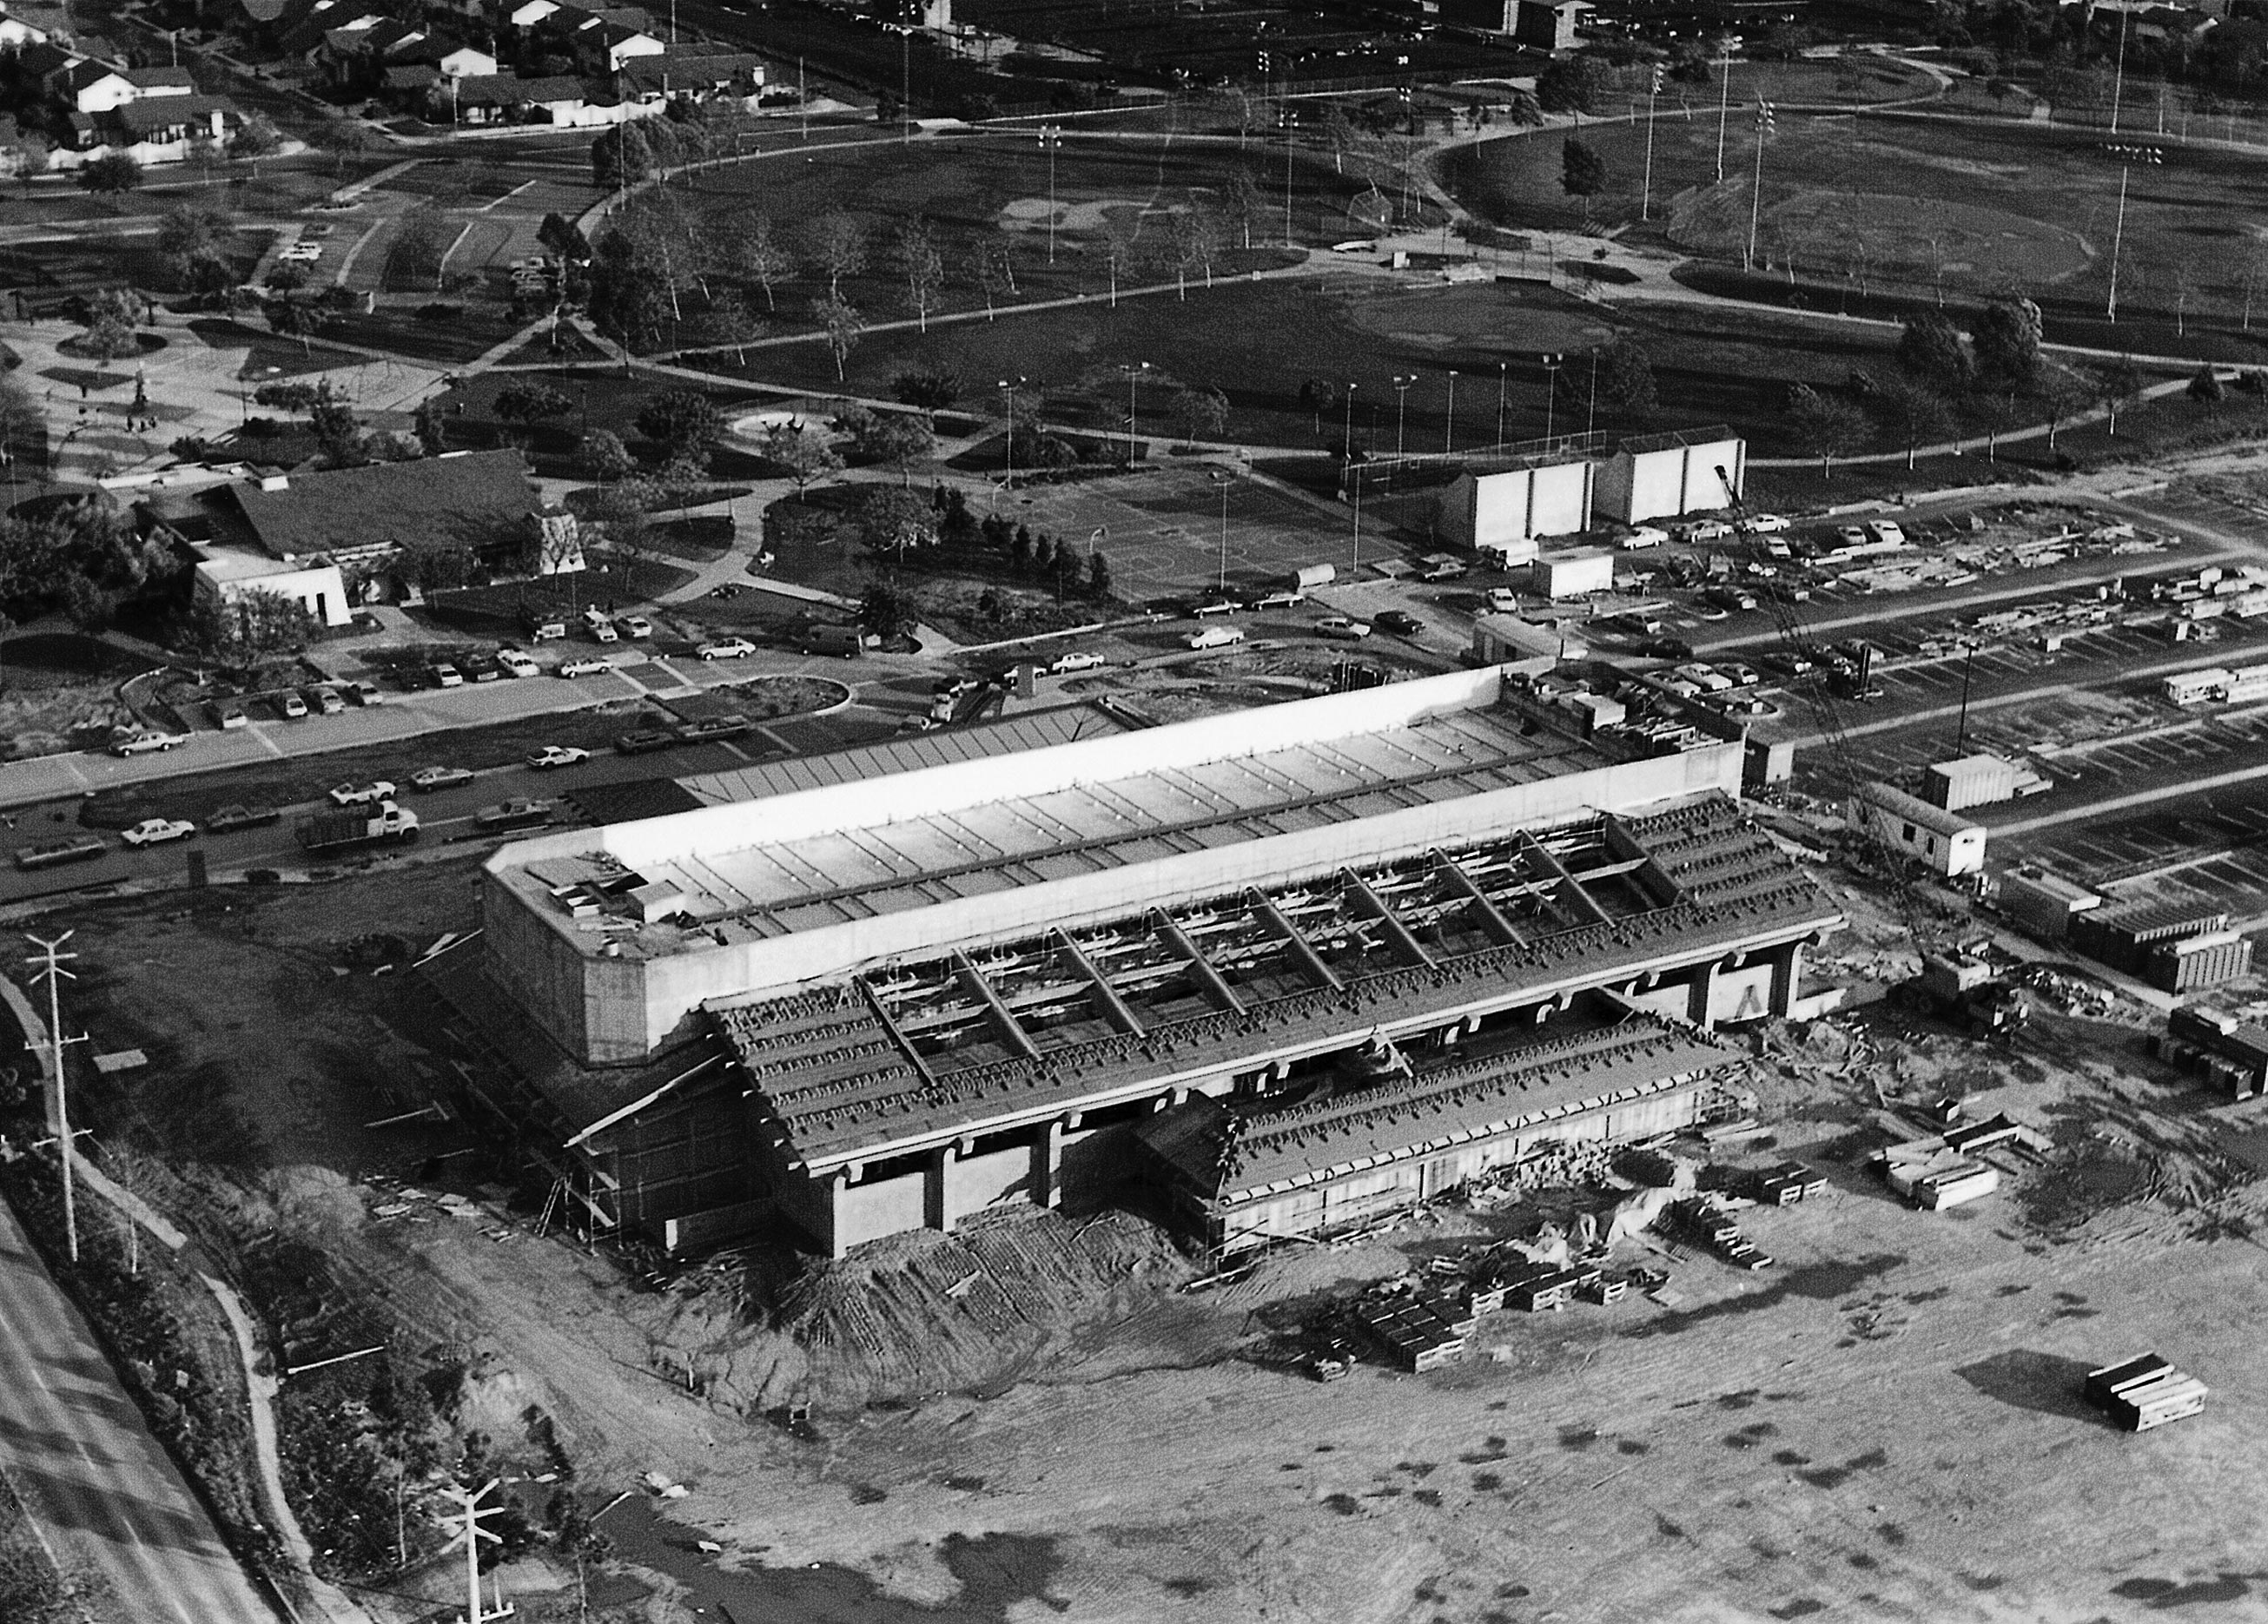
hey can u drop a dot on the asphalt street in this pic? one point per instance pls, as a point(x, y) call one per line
point(93, 1476)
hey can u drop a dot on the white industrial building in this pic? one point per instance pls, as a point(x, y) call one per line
point(224, 576)
point(1504, 513)
point(948, 987)
point(1944, 842)
point(1663, 475)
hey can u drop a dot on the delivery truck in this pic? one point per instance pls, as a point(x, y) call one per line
point(349, 828)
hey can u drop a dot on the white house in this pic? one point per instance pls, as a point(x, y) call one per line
point(15, 34)
point(466, 61)
point(225, 575)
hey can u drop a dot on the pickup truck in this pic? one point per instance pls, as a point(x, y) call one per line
point(351, 827)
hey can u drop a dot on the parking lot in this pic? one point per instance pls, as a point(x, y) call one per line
point(2210, 848)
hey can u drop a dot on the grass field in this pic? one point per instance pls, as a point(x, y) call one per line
point(1919, 203)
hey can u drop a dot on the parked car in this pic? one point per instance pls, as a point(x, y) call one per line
point(481, 668)
point(366, 693)
point(642, 741)
point(291, 705)
point(1214, 637)
point(1886, 531)
point(1214, 607)
point(596, 623)
point(519, 812)
point(1280, 600)
point(362, 794)
point(541, 628)
point(439, 777)
point(634, 626)
point(1763, 525)
point(730, 726)
point(1341, 628)
point(157, 831)
point(144, 741)
point(48, 853)
point(1642, 536)
point(1080, 660)
point(518, 662)
point(326, 701)
point(1731, 598)
point(1401, 622)
point(584, 668)
point(1704, 530)
point(447, 676)
point(726, 648)
point(229, 716)
point(222, 819)
point(1789, 665)
point(557, 755)
point(1666, 649)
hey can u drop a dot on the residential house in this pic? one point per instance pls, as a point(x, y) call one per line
point(733, 76)
point(15, 34)
point(500, 99)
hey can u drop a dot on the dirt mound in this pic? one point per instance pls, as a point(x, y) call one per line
point(924, 1313)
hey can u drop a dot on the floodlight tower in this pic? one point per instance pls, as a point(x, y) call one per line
point(466, 1525)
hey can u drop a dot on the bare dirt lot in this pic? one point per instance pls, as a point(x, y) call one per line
point(1884, 1425)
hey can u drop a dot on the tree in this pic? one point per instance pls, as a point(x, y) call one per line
point(1098, 577)
point(1994, 411)
point(630, 295)
point(729, 321)
point(288, 318)
point(891, 521)
point(253, 140)
point(250, 625)
point(932, 391)
point(884, 611)
point(1911, 413)
point(342, 138)
point(835, 244)
point(191, 238)
point(1826, 426)
point(112, 173)
point(2007, 339)
point(2063, 395)
point(338, 432)
point(2205, 384)
point(1626, 375)
point(622, 158)
point(1319, 395)
point(921, 264)
point(1194, 237)
point(900, 441)
point(805, 455)
point(1930, 348)
point(2119, 382)
point(565, 239)
point(1523, 109)
point(1582, 172)
point(25, 151)
point(418, 243)
point(750, 248)
point(1579, 83)
point(89, 608)
point(110, 321)
point(679, 421)
point(1199, 414)
point(602, 456)
point(839, 320)
point(528, 401)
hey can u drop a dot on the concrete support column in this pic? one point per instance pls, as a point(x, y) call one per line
point(1047, 1164)
point(1787, 977)
point(838, 1182)
point(937, 1208)
point(1705, 985)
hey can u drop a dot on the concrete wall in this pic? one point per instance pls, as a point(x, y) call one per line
point(865, 1212)
point(676, 985)
point(972, 1183)
point(1518, 504)
point(1633, 486)
point(1742, 995)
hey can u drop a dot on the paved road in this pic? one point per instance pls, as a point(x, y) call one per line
point(100, 1485)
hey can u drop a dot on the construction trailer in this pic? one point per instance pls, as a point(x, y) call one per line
point(1504, 513)
point(2123, 938)
point(1979, 781)
point(2230, 1053)
point(1945, 842)
point(1663, 475)
point(1576, 573)
point(2145, 1391)
point(1508, 640)
point(2194, 687)
point(2043, 906)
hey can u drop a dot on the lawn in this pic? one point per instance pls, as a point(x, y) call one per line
point(1973, 209)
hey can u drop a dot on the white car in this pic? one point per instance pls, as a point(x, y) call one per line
point(1644, 536)
point(157, 831)
point(362, 794)
point(1341, 628)
point(585, 668)
point(727, 649)
point(303, 253)
point(517, 664)
point(557, 755)
point(1763, 525)
point(1707, 530)
point(230, 716)
point(439, 777)
point(1081, 661)
point(1214, 637)
point(1887, 532)
point(145, 741)
point(366, 693)
point(634, 626)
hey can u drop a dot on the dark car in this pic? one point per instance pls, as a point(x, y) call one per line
point(729, 726)
point(1167, 608)
point(236, 816)
point(646, 741)
point(1401, 622)
point(1666, 649)
point(481, 668)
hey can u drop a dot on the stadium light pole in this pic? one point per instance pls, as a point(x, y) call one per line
point(1552, 359)
point(1449, 429)
point(2117, 240)
point(1723, 101)
point(2118, 74)
point(1224, 478)
point(1133, 370)
point(1646, 190)
point(1349, 426)
point(1756, 185)
point(1401, 382)
point(1500, 382)
point(1051, 137)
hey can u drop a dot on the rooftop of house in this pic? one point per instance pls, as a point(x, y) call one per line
point(505, 90)
point(462, 496)
point(142, 118)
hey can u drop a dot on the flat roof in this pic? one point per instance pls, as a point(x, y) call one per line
point(1034, 729)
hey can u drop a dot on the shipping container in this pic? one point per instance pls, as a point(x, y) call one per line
point(1970, 781)
point(2212, 959)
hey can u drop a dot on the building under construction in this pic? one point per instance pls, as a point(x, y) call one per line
point(1327, 956)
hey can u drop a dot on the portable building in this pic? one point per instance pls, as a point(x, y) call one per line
point(2246, 684)
point(1946, 842)
point(1505, 512)
point(2191, 687)
point(1503, 639)
point(2121, 938)
point(1970, 781)
point(2042, 905)
point(1572, 574)
point(2213, 958)
point(1663, 475)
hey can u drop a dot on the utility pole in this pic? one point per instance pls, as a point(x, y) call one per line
point(1449, 429)
point(1051, 137)
point(1133, 371)
point(1961, 736)
point(1551, 360)
point(50, 963)
point(1645, 191)
point(1756, 186)
point(1724, 103)
point(1401, 382)
point(2117, 239)
point(1500, 381)
point(2118, 75)
point(467, 1528)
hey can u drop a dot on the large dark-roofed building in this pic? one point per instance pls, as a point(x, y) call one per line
point(471, 496)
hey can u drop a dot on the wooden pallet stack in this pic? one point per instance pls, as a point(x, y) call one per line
point(2145, 1391)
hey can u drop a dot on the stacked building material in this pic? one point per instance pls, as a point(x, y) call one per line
point(1786, 1185)
point(1704, 1218)
point(2229, 1053)
point(1933, 1175)
point(2212, 958)
point(2123, 938)
point(2145, 1391)
point(1412, 1332)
